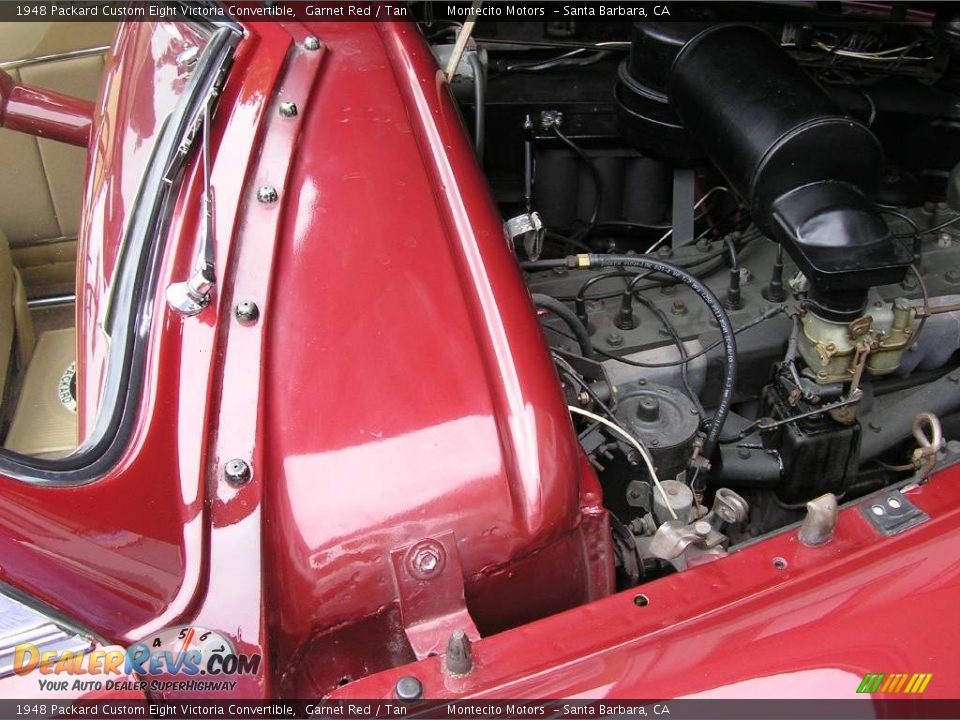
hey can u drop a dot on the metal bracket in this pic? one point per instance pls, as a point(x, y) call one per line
point(429, 582)
point(891, 513)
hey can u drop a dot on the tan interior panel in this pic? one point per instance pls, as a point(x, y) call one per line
point(64, 165)
point(26, 208)
point(42, 425)
point(47, 269)
point(41, 181)
point(28, 40)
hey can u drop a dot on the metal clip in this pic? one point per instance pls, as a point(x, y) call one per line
point(528, 230)
point(928, 446)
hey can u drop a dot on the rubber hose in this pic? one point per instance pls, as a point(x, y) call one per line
point(569, 317)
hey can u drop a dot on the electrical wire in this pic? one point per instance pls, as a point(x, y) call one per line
point(648, 461)
point(772, 312)
point(715, 308)
point(678, 341)
point(915, 335)
point(701, 201)
point(935, 228)
point(566, 60)
point(881, 56)
point(556, 307)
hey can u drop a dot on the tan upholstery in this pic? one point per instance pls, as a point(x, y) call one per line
point(41, 181)
point(15, 323)
point(42, 425)
point(26, 40)
point(47, 269)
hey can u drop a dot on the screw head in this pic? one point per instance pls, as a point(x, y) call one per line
point(877, 510)
point(702, 528)
point(894, 503)
point(247, 311)
point(237, 472)
point(311, 42)
point(288, 109)
point(408, 688)
point(267, 194)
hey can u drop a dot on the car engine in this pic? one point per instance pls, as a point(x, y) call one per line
point(742, 239)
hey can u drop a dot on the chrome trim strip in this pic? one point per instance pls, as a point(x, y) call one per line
point(22, 624)
point(51, 301)
point(54, 57)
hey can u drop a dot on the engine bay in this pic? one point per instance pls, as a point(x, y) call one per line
point(741, 239)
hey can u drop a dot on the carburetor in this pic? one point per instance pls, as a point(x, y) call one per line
point(837, 351)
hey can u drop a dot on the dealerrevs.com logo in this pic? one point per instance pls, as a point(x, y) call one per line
point(187, 658)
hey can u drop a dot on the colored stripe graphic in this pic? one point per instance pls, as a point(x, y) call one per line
point(914, 683)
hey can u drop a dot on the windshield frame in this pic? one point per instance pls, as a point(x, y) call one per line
point(134, 287)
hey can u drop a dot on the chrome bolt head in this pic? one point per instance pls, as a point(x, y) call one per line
point(288, 109)
point(426, 559)
point(246, 312)
point(267, 194)
point(237, 472)
point(311, 43)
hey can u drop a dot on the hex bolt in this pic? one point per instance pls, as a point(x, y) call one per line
point(267, 194)
point(426, 562)
point(237, 472)
point(288, 109)
point(952, 276)
point(679, 307)
point(614, 339)
point(408, 688)
point(426, 559)
point(246, 311)
point(702, 528)
point(311, 43)
point(458, 657)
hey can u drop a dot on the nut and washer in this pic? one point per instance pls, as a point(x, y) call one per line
point(267, 194)
point(237, 472)
point(426, 559)
point(311, 42)
point(246, 311)
point(288, 109)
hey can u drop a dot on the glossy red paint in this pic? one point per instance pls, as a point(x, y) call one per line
point(407, 392)
point(44, 113)
point(397, 387)
point(742, 627)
